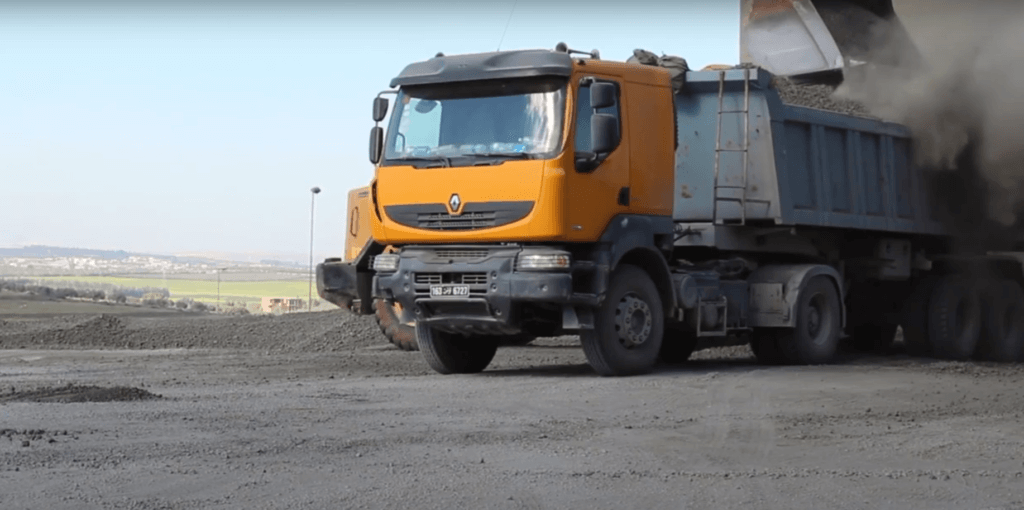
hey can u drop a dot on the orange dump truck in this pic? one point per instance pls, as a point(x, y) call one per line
point(647, 207)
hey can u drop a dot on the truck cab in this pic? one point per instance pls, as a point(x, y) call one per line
point(508, 147)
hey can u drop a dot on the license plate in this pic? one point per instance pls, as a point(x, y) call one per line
point(449, 290)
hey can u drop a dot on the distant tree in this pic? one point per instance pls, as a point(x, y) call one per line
point(155, 300)
point(64, 293)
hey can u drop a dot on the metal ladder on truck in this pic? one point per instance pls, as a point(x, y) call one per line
point(745, 150)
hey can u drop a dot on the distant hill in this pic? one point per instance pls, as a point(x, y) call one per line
point(42, 251)
point(39, 251)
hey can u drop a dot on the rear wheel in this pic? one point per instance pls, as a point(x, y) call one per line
point(390, 323)
point(1002, 336)
point(954, 319)
point(815, 337)
point(449, 353)
point(628, 326)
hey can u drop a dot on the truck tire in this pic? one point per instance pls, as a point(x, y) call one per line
point(677, 344)
point(954, 319)
point(764, 343)
point(448, 353)
point(915, 318)
point(814, 339)
point(401, 335)
point(628, 326)
point(1002, 338)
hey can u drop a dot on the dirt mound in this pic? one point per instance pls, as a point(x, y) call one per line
point(332, 331)
point(73, 393)
point(104, 325)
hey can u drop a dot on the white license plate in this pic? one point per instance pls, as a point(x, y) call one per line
point(449, 290)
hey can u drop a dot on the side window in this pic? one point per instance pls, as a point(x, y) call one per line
point(583, 113)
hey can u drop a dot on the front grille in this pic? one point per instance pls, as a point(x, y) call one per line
point(474, 215)
point(451, 278)
point(428, 278)
point(455, 254)
point(465, 221)
point(474, 279)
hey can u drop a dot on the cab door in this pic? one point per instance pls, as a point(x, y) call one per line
point(596, 195)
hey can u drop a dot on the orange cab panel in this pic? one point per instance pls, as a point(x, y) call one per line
point(358, 230)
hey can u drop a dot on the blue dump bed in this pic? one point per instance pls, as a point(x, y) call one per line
point(805, 167)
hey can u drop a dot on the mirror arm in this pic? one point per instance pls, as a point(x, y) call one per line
point(587, 162)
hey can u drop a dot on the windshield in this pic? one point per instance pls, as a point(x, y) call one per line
point(515, 119)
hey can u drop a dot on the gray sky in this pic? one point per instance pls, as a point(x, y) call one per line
point(183, 127)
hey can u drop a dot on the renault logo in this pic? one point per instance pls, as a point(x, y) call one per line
point(454, 203)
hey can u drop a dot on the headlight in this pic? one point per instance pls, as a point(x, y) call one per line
point(386, 263)
point(543, 261)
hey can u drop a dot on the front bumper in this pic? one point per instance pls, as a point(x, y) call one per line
point(341, 284)
point(495, 288)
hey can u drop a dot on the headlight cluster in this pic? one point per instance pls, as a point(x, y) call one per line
point(385, 263)
point(548, 260)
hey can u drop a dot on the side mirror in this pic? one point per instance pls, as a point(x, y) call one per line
point(380, 108)
point(376, 143)
point(604, 133)
point(602, 95)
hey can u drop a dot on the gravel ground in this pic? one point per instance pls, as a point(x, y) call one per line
point(318, 411)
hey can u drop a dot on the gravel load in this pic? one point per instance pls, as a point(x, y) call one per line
point(817, 96)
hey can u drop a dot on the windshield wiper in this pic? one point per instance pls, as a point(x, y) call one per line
point(514, 155)
point(444, 160)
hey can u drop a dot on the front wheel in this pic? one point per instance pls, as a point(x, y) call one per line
point(390, 323)
point(449, 353)
point(628, 326)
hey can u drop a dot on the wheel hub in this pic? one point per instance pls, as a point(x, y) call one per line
point(633, 321)
point(814, 322)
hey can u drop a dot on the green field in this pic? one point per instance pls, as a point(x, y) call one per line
point(202, 290)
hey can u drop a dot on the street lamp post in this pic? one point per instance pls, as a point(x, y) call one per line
point(313, 192)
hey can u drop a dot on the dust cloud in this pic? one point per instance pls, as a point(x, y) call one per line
point(962, 96)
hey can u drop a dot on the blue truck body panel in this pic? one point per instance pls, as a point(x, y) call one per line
point(806, 167)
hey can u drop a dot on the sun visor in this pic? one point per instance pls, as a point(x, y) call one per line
point(485, 66)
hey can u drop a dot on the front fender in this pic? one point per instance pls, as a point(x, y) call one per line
point(342, 284)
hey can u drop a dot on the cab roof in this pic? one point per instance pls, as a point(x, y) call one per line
point(485, 66)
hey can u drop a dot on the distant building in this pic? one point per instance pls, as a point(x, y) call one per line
point(281, 304)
